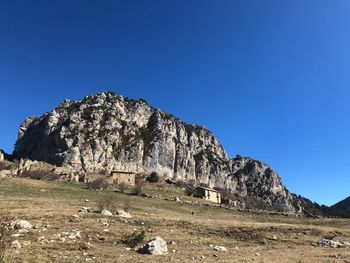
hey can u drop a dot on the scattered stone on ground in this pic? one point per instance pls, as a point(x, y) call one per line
point(155, 246)
point(331, 244)
point(74, 218)
point(15, 244)
point(104, 222)
point(220, 248)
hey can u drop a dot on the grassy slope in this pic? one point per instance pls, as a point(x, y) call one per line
point(193, 228)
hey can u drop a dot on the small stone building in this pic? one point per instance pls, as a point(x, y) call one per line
point(120, 177)
point(208, 194)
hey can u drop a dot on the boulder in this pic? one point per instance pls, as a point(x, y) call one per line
point(220, 248)
point(124, 214)
point(85, 210)
point(105, 212)
point(21, 224)
point(155, 246)
point(74, 218)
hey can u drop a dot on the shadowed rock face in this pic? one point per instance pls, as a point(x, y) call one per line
point(107, 131)
point(343, 205)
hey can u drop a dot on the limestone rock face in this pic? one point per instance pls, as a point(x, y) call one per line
point(109, 132)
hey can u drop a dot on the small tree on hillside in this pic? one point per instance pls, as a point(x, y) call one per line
point(138, 187)
point(153, 177)
point(122, 187)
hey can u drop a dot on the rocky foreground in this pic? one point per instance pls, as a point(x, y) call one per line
point(110, 132)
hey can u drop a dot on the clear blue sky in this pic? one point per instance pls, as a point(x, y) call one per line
point(270, 79)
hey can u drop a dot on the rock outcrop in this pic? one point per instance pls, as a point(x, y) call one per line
point(110, 132)
point(155, 246)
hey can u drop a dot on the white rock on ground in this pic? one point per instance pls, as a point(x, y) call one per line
point(124, 214)
point(15, 244)
point(105, 212)
point(74, 218)
point(21, 224)
point(220, 248)
point(155, 246)
point(75, 235)
point(85, 210)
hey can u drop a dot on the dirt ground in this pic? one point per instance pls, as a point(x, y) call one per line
point(191, 231)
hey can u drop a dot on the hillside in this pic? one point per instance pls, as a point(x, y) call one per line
point(340, 209)
point(191, 232)
point(109, 132)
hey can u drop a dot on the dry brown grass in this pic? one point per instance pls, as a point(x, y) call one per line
point(248, 236)
point(5, 234)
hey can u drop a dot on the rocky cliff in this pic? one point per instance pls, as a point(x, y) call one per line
point(107, 131)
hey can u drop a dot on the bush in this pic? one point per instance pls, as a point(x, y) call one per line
point(138, 187)
point(107, 202)
point(40, 174)
point(122, 187)
point(99, 183)
point(4, 166)
point(134, 239)
point(190, 189)
point(5, 236)
point(181, 184)
point(153, 177)
point(190, 186)
point(127, 205)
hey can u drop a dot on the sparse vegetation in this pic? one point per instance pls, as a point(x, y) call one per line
point(127, 205)
point(107, 202)
point(99, 183)
point(40, 174)
point(190, 187)
point(138, 187)
point(87, 114)
point(122, 187)
point(153, 177)
point(134, 239)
